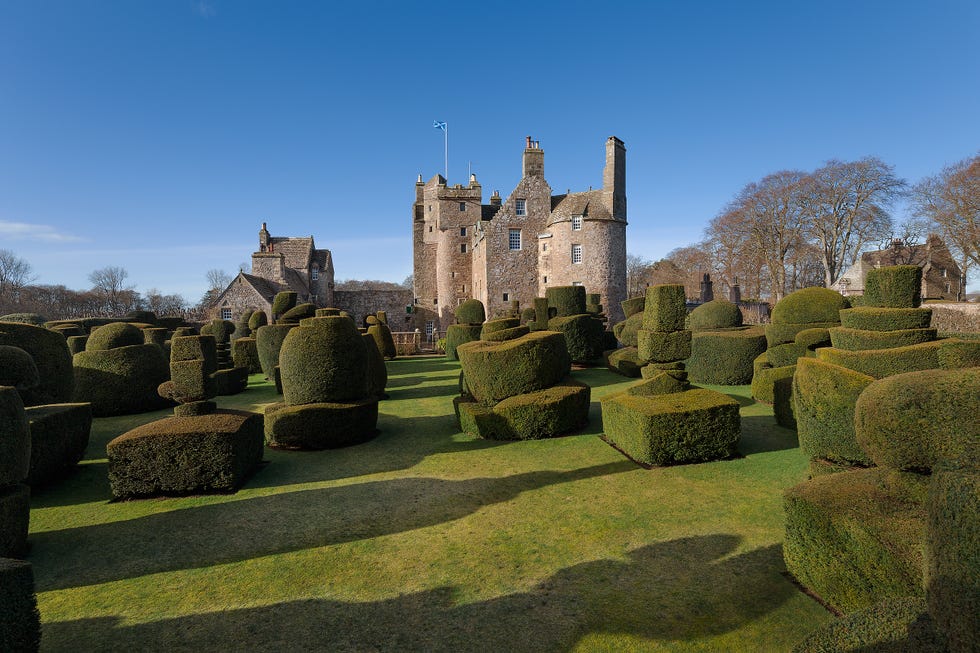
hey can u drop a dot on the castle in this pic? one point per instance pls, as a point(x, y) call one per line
point(515, 249)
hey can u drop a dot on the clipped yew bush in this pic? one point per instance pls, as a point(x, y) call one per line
point(583, 336)
point(663, 347)
point(317, 426)
point(24, 318)
point(113, 336)
point(471, 311)
point(298, 312)
point(15, 439)
point(724, 357)
point(186, 455)
point(809, 305)
point(52, 358)
point(269, 339)
point(495, 371)
point(955, 353)
point(626, 331)
point(59, 437)
point(896, 286)
point(625, 361)
point(883, 627)
point(383, 339)
point(545, 413)
point(885, 362)
point(245, 353)
point(871, 318)
point(861, 339)
point(824, 398)
point(323, 363)
point(665, 309)
point(282, 302)
point(458, 334)
point(257, 319)
point(564, 301)
point(17, 368)
point(716, 314)
point(122, 380)
point(633, 305)
point(20, 621)
point(377, 371)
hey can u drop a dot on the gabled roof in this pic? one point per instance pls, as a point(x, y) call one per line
point(487, 211)
point(297, 251)
point(263, 287)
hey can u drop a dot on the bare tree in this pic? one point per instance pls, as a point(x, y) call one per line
point(409, 282)
point(218, 280)
point(107, 283)
point(950, 201)
point(637, 271)
point(15, 274)
point(845, 206)
point(692, 262)
point(164, 304)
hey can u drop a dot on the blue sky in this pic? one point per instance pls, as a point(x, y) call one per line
point(158, 135)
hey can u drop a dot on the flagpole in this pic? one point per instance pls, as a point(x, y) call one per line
point(446, 133)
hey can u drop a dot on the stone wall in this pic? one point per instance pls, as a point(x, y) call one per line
point(361, 303)
point(239, 297)
point(959, 317)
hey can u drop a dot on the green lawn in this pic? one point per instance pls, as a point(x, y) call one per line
point(429, 539)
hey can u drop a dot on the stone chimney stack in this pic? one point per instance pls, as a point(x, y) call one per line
point(263, 239)
point(533, 161)
point(707, 293)
point(495, 198)
point(614, 177)
point(735, 293)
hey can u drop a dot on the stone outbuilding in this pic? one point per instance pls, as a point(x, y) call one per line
point(941, 276)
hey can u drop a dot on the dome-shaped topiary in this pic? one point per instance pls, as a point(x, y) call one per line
point(17, 368)
point(221, 330)
point(716, 314)
point(257, 319)
point(53, 360)
point(471, 311)
point(324, 362)
point(809, 305)
point(113, 336)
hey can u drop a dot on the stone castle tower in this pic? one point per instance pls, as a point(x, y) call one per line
point(516, 248)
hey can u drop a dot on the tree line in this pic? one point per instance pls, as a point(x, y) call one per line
point(794, 229)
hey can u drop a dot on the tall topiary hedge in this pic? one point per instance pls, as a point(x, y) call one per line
point(20, 621)
point(583, 336)
point(52, 358)
point(458, 334)
point(269, 339)
point(245, 353)
point(384, 340)
point(665, 309)
point(897, 286)
point(323, 363)
point(724, 357)
point(565, 300)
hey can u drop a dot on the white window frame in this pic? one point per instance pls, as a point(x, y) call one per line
point(315, 274)
point(520, 207)
point(576, 223)
point(576, 254)
point(226, 314)
point(511, 241)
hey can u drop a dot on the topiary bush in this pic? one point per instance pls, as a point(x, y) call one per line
point(471, 312)
point(625, 361)
point(77, 344)
point(885, 319)
point(323, 363)
point(245, 353)
point(809, 305)
point(665, 309)
point(565, 301)
point(813, 338)
point(59, 437)
point(855, 538)
point(298, 312)
point(627, 330)
point(282, 302)
point(906, 421)
point(52, 358)
point(377, 371)
point(384, 341)
point(269, 339)
point(663, 347)
point(15, 438)
point(885, 362)
point(633, 305)
point(824, 396)
point(24, 318)
point(231, 381)
point(113, 336)
point(257, 319)
point(144, 317)
point(458, 334)
point(680, 427)
point(317, 426)
point(500, 324)
point(716, 314)
point(583, 336)
point(955, 353)
point(545, 413)
point(186, 455)
point(897, 286)
point(505, 334)
point(20, 621)
point(17, 368)
point(880, 627)
point(495, 371)
point(861, 340)
point(15, 515)
point(724, 357)
point(121, 381)
point(779, 334)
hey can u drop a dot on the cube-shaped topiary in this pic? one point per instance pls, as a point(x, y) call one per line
point(471, 311)
point(325, 425)
point(824, 397)
point(324, 363)
point(663, 347)
point(565, 301)
point(724, 357)
point(855, 538)
point(665, 309)
point(20, 621)
point(59, 437)
point(495, 371)
point(231, 381)
point(716, 314)
point(679, 427)
point(916, 420)
point(186, 455)
point(633, 305)
point(896, 286)
point(155, 336)
point(51, 356)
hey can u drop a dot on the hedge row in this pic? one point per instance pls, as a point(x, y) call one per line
point(683, 427)
point(186, 455)
point(855, 538)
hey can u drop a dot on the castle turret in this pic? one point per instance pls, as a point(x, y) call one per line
point(533, 161)
point(614, 178)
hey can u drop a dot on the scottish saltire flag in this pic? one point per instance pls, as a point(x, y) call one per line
point(439, 125)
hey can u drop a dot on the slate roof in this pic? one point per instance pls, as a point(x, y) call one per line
point(487, 211)
point(264, 287)
point(588, 204)
point(297, 251)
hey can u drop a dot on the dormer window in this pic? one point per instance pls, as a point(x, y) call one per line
point(576, 222)
point(520, 207)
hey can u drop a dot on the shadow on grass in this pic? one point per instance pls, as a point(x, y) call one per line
point(760, 434)
point(291, 521)
point(422, 392)
point(679, 590)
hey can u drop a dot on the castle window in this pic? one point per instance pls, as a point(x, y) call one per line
point(462, 206)
point(506, 297)
point(514, 239)
point(462, 248)
point(226, 314)
point(943, 271)
point(435, 300)
point(576, 253)
point(430, 228)
point(576, 283)
point(546, 279)
point(462, 231)
point(315, 274)
point(576, 222)
point(520, 207)
point(544, 247)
